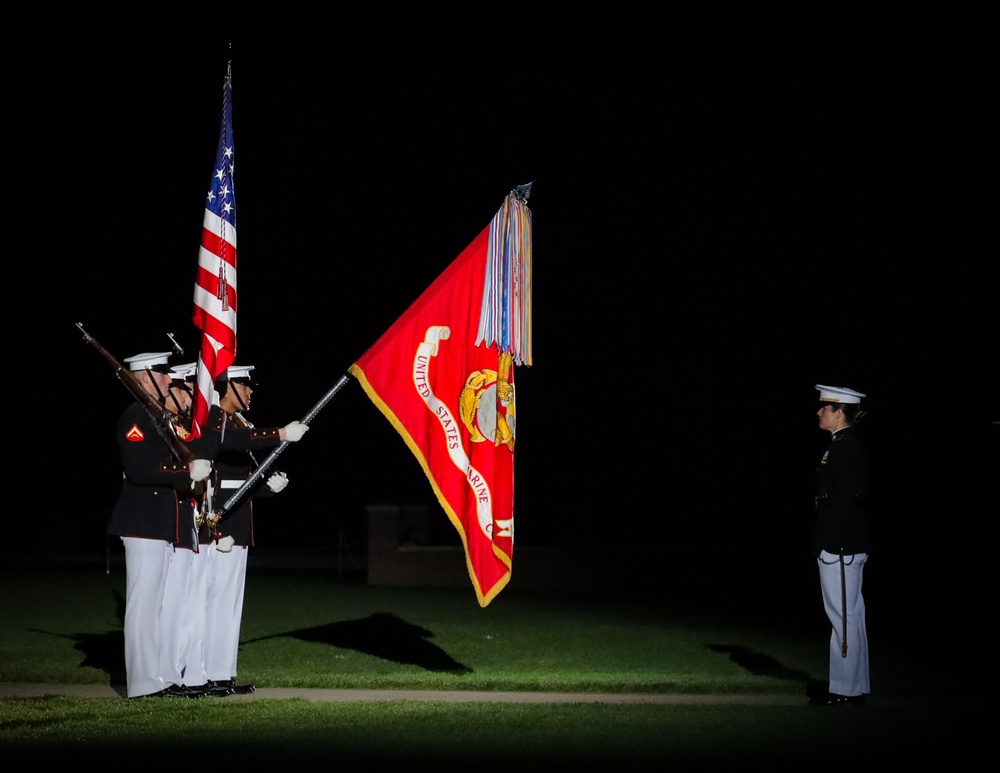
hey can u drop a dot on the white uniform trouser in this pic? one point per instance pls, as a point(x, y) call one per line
point(848, 676)
point(146, 563)
point(225, 612)
point(183, 621)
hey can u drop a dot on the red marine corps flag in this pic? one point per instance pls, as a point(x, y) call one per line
point(443, 376)
point(215, 282)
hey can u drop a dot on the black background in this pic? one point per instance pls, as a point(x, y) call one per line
point(723, 218)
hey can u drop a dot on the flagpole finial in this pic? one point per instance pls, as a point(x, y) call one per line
point(522, 192)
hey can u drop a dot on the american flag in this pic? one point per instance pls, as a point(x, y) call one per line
point(215, 283)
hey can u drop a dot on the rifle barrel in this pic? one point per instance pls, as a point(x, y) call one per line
point(228, 505)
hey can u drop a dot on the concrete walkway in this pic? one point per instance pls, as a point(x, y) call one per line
point(30, 690)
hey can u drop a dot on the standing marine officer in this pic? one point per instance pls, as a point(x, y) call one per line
point(152, 509)
point(235, 463)
point(841, 542)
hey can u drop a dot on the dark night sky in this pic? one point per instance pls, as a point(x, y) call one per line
point(720, 222)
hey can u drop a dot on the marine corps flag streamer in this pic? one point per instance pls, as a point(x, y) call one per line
point(215, 282)
point(443, 375)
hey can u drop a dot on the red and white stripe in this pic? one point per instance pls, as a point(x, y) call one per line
point(214, 316)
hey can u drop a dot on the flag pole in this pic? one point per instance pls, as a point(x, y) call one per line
point(228, 505)
point(215, 295)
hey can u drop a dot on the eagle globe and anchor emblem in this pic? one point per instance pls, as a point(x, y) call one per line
point(486, 405)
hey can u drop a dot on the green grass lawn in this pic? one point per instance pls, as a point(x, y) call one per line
point(307, 629)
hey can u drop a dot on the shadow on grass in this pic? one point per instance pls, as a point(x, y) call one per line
point(103, 651)
point(382, 635)
point(759, 664)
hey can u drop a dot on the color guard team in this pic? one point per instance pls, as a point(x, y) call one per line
point(185, 565)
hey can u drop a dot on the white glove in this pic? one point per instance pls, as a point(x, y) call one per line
point(225, 545)
point(200, 469)
point(277, 482)
point(295, 430)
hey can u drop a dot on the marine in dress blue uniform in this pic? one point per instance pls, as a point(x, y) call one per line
point(149, 516)
point(841, 543)
point(182, 642)
point(243, 448)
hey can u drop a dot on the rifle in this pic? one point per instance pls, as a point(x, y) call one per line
point(163, 419)
point(227, 506)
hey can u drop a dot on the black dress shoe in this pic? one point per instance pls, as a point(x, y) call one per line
point(845, 700)
point(234, 687)
point(212, 690)
point(180, 691)
point(157, 694)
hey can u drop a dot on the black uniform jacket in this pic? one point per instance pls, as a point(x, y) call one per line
point(242, 447)
point(156, 489)
point(841, 480)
